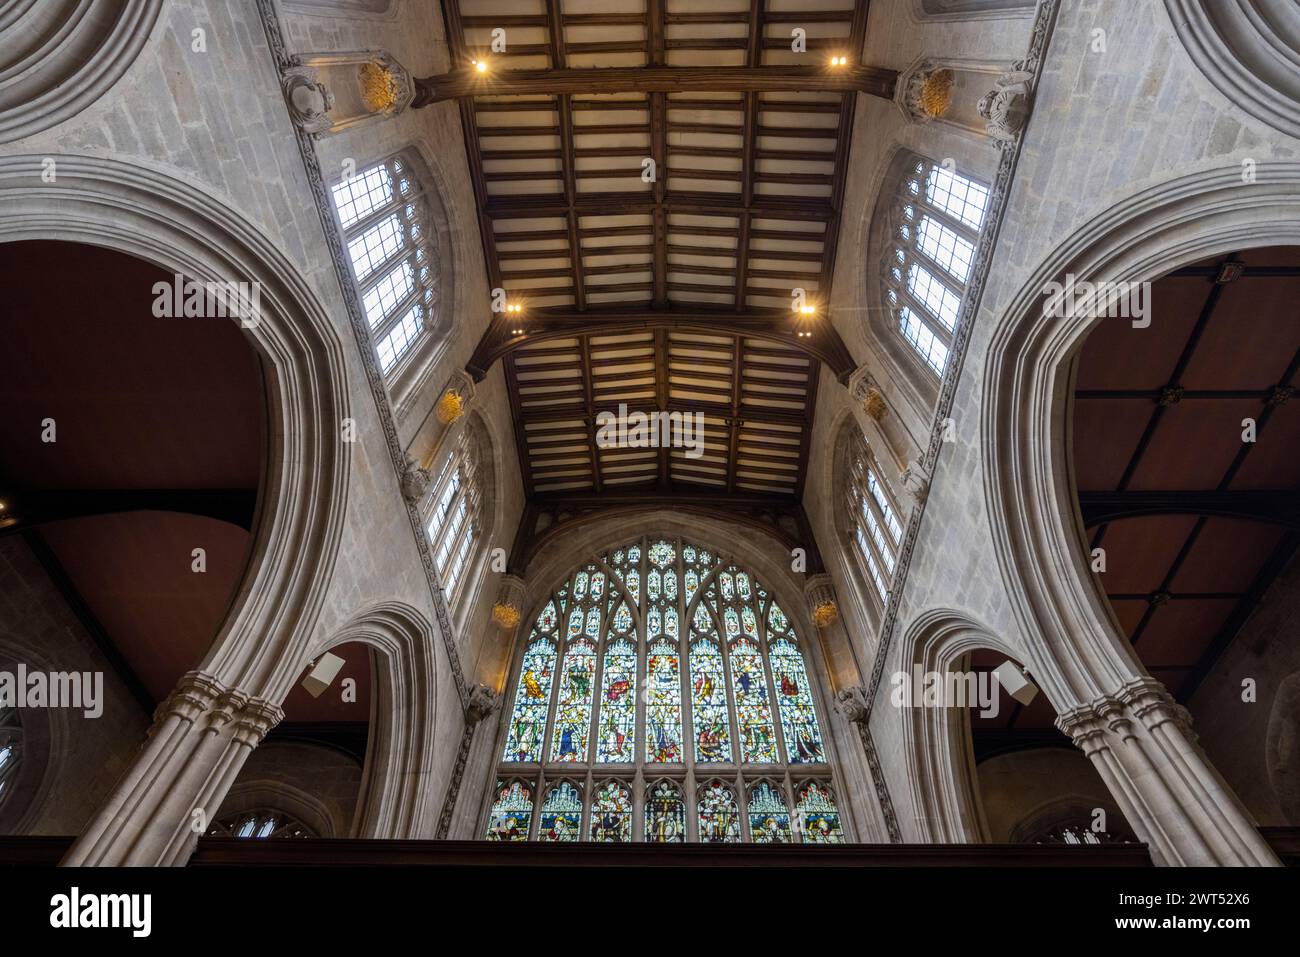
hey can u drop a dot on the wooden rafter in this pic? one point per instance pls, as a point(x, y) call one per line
point(465, 83)
point(824, 344)
point(672, 295)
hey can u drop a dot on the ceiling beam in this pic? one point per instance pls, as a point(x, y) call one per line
point(460, 84)
point(1274, 507)
point(824, 344)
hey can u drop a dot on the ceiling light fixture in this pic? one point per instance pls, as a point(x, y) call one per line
point(481, 66)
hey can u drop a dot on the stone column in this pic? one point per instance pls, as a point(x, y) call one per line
point(200, 738)
point(1141, 743)
point(483, 703)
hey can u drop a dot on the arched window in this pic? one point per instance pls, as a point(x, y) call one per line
point(935, 228)
point(876, 528)
point(259, 824)
point(657, 680)
point(455, 523)
point(11, 749)
point(385, 220)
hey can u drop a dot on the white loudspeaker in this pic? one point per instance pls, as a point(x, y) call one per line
point(324, 671)
point(1013, 679)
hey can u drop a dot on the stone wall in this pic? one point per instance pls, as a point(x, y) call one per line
point(70, 761)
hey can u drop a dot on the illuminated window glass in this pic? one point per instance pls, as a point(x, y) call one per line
point(663, 642)
point(937, 222)
point(383, 213)
point(259, 824)
point(877, 529)
point(454, 523)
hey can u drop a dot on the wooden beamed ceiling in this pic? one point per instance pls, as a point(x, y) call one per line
point(654, 226)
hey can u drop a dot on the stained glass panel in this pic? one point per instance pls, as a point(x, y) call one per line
point(532, 698)
point(753, 711)
point(587, 654)
point(663, 718)
point(803, 739)
point(616, 742)
point(611, 814)
point(818, 818)
point(573, 712)
point(665, 814)
point(512, 812)
point(719, 817)
point(709, 703)
point(561, 815)
point(769, 818)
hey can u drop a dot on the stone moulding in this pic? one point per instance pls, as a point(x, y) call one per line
point(361, 332)
point(96, 42)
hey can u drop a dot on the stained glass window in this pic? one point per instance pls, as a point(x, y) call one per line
point(662, 642)
point(573, 708)
point(618, 703)
point(561, 815)
point(384, 216)
point(512, 812)
point(936, 226)
point(818, 818)
point(665, 814)
point(769, 816)
point(719, 818)
point(611, 814)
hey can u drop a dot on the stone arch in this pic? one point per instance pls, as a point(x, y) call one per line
point(944, 790)
point(59, 56)
point(1075, 649)
point(397, 799)
point(1249, 50)
point(321, 816)
point(45, 732)
point(343, 8)
point(151, 214)
point(766, 556)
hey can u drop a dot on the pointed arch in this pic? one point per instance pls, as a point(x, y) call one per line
point(397, 799)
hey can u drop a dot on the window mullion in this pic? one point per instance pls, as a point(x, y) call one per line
point(931, 321)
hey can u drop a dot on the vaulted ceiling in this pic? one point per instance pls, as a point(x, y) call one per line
point(655, 236)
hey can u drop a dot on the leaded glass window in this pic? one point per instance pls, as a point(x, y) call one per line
point(661, 694)
point(874, 518)
point(260, 824)
point(455, 522)
point(386, 230)
point(512, 812)
point(11, 749)
point(935, 228)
